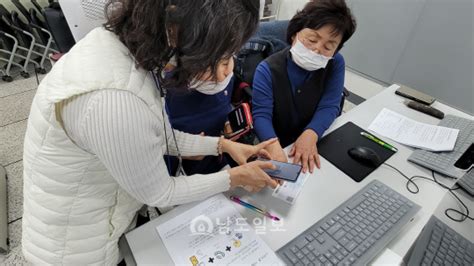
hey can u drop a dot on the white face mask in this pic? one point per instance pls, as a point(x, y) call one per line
point(211, 87)
point(307, 59)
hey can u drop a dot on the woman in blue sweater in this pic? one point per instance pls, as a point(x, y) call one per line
point(297, 92)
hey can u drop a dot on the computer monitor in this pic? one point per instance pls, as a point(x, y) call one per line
point(83, 16)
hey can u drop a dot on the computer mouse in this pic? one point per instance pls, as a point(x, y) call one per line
point(365, 156)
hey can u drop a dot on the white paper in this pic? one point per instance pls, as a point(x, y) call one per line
point(412, 133)
point(214, 233)
point(289, 191)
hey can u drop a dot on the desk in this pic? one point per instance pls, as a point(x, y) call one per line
point(327, 188)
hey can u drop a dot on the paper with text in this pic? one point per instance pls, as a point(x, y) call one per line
point(413, 133)
point(289, 191)
point(214, 233)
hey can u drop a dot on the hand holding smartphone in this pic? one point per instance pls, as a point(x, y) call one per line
point(284, 171)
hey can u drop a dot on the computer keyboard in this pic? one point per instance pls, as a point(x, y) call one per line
point(355, 231)
point(467, 182)
point(443, 162)
point(438, 244)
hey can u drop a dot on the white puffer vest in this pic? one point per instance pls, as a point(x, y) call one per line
point(74, 211)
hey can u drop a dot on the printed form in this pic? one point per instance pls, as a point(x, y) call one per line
point(214, 233)
point(413, 133)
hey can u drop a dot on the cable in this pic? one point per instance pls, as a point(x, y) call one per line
point(180, 169)
point(410, 181)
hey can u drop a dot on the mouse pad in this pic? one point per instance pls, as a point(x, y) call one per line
point(334, 146)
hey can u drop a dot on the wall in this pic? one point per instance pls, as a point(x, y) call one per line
point(288, 8)
point(425, 44)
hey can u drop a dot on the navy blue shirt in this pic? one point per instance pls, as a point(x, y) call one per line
point(194, 112)
point(328, 107)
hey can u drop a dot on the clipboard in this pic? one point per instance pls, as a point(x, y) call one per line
point(335, 145)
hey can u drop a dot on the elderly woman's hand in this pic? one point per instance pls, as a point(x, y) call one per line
point(241, 152)
point(305, 152)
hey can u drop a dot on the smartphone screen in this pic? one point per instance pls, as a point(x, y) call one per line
point(285, 171)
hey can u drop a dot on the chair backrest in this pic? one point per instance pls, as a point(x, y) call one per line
point(38, 7)
point(267, 40)
point(22, 9)
point(276, 29)
point(59, 28)
point(20, 26)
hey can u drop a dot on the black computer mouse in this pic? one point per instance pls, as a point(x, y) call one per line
point(365, 156)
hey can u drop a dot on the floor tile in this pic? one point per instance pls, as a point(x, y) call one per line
point(14, 234)
point(15, 190)
point(11, 144)
point(18, 86)
point(361, 86)
point(15, 107)
point(348, 106)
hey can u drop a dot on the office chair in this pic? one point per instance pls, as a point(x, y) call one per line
point(58, 27)
point(8, 48)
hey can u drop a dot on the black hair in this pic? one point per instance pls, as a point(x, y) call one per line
point(319, 13)
point(202, 32)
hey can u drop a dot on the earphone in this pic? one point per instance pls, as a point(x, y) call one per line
point(180, 170)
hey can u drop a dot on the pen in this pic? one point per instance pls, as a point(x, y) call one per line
point(379, 141)
point(250, 206)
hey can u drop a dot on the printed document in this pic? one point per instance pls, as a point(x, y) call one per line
point(289, 191)
point(214, 233)
point(412, 133)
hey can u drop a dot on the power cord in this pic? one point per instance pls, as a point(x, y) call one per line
point(447, 212)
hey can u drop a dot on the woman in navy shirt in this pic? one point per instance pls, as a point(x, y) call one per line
point(297, 92)
point(202, 109)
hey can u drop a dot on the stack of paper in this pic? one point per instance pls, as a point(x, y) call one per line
point(412, 133)
point(214, 233)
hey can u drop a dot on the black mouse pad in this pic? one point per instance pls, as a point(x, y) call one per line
point(334, 146)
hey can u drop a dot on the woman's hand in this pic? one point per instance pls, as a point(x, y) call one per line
point(251, 176)
point(276, 152)
point(305, 151)
point(241, 152)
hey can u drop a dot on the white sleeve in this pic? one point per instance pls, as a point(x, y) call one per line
point(188, 144)
point(127, 137)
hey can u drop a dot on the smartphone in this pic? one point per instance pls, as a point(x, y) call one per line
point(466, 161)
point(285, 171)
point(240, 118)
point(414, 95)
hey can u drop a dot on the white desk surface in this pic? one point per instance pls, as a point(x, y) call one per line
point(328, 187)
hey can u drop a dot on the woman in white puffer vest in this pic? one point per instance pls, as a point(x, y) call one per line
point(97, 132)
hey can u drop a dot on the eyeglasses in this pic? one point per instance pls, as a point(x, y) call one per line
point(313, 43)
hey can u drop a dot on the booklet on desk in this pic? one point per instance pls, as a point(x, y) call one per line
point(335, 146)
